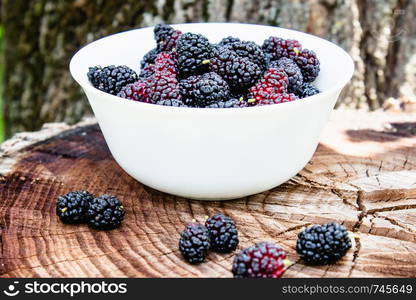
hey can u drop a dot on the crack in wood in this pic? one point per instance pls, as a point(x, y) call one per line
point(356, 228)
point(364, 213)
point(392, 208)
point(289, 229)
point(344, 199)
point(406, 160)
point(396, 223)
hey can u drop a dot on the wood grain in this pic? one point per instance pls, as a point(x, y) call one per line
point(362, 175)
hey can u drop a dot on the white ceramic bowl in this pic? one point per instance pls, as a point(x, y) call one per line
point(211, 154)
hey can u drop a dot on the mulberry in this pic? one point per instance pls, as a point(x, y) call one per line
point(203, 90)
point(193, 54)
point(111, 79)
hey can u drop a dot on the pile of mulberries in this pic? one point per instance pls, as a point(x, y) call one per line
point(218, 234)
point(316, 245)
point(102, 213)
point(186, 70)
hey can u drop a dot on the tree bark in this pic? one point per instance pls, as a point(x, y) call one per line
point(362, 175)
point(41, 36)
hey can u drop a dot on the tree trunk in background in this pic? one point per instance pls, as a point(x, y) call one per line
point(41, 36)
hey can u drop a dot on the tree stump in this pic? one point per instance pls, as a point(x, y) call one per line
point(362, 175)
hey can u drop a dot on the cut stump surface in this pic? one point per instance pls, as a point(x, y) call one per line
point(362, 175)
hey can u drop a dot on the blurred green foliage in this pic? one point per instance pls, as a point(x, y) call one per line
point(1, 85)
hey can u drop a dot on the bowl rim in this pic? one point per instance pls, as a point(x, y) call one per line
point(85, 84)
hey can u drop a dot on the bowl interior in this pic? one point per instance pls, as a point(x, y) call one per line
point(128, 48)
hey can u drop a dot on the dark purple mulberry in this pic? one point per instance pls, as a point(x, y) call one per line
point(276, 48)
point(223, 233)
point(307, 90)
point(308, 64)
point(239, 72)
point(111, 79)
point(323, 244)
point(194, 243)
point(105, 212)
point(228, 40)
point(203, 90)
point(193, 54)
point(249, 50)
point(166, 37)
point(71, 208)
